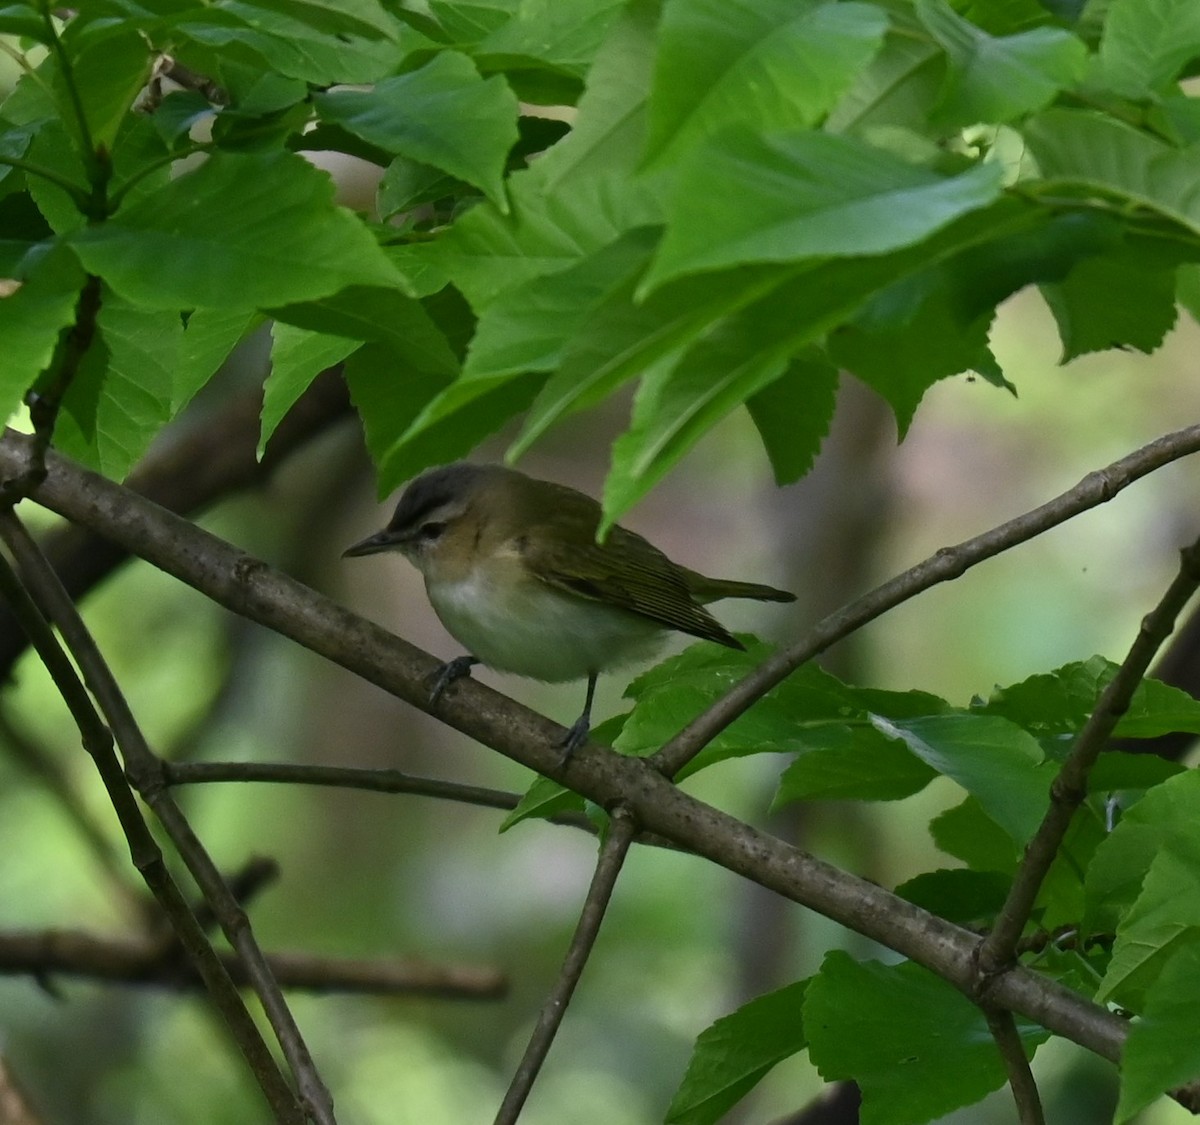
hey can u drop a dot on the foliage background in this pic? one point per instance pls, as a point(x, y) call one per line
point(685, 943)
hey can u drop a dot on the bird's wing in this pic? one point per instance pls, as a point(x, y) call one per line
point(625, 570)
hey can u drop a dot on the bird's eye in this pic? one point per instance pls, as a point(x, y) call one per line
point(431, 531)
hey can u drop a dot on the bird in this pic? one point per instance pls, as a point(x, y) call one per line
point(514, 572)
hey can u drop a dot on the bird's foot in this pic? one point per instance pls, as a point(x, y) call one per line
point(452, 670)
point(576, 736)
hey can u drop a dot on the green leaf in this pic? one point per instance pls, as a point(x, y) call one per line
point(297, 358)
point(334, 17)
point(110, 69)
point(31, 318)
point(384, 315)
point(1092, 151)
point(967, 898)
point(1123, 299)
point(609, 130)
point(1164, 918)
point(442, 114)
point(121, 397)
point(733, 1055)
point(777, 197)
point(969, 834)
point(852, 763)
point(809, 712)
point(1162, 1052)
point(242, 231)
point(915, 1045)
point(1146, 43)
point(486, 252)
point(776, 64)
point(543, 799)
point(283, 42)
point(454, 422)
point(208, 339)
point(682, 397)
point(1162, 821)
point(792, 414)
point(995, 80)
point(531, 326)
point(561, 35)
point(994, 760)
point(1059, 703)
point(911, 335)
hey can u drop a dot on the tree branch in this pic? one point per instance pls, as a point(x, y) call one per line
point(142, 962)
point(1020, 1078)
point(1070, 786)
point(144, 771)
point(251, 588)
point(950, 562)
point(145, 853)
point(614, 849)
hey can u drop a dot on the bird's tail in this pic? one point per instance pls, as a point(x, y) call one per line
point(714, 589)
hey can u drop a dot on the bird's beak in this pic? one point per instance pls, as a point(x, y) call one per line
point(384, 540)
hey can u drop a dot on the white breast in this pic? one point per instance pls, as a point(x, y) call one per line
point(534, 630)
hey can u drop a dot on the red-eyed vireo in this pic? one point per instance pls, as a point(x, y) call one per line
point(514, 572)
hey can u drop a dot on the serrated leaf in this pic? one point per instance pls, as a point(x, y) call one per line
point(1162, 1052)
point(486, 252)
point(851, 763)
point(31, 318)
point(1146, 43)
point(916, 1046)
point(384, 315)
point(778, 197)
point(1163, 820)
point(297, 358)
point(770, 65)
point(733, 1055)
point(564, 35)
point(531, 326)
point(997, 762)
point(1164, 918)
point(967, 898)
point(279, 42)
point(1123, 299)
point(792, 414)
point(121, 397)
point(209, 337)
point(442, 114)
point(969, 834)
point(242, 231)
point(1082, 149)
point(681, 398)
point(996, 79)
point(1059, 702)
point(109, 69)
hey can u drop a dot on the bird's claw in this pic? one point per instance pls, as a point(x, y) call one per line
point(576, 736)
point(452, 670)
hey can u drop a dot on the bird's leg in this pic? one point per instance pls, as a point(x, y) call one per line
point(576, 736)
point(452, 670)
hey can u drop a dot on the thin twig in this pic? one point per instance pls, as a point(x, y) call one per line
point(141, 962)
point(1070, 786)
point(1020, 1078)
point(950, 562)
point(145, 853)
point(613, 851)
point(144, 770)
point(377, 781)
